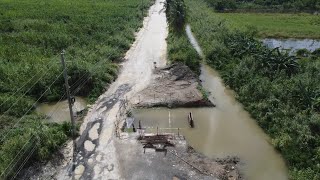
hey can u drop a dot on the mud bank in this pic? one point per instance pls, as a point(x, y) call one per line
point(222, 168)
point(180, 162)
point(172, 86)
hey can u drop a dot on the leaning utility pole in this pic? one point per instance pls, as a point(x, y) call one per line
point(73, 131)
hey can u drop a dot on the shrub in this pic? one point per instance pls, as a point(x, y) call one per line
point(176, 14)
point(303, 53)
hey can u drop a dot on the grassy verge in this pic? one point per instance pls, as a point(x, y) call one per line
point(276, 25)
point(280, 91)
point(32, 34)
point(179, 48)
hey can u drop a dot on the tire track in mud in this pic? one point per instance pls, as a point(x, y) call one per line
point(97, 135)
point(89, 139)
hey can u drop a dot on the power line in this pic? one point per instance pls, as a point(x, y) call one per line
point(34, 148)
point(23, 148)
point(16, 156)
point(24, 93)
point(93, 67)
point(21, 166)
point(24, 162)
point(34, 103)
point(23, 85)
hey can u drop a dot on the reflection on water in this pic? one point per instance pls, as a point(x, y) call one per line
point(59, 112)
point(224, 130)
point(292, 45)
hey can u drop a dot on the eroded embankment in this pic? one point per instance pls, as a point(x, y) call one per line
point(172, 86)
point(229, 129)
point(177, 162)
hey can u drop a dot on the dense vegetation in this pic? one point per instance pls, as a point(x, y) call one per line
point(179, 49)
point(281, 92)
point(266, 5)
point(95, 35)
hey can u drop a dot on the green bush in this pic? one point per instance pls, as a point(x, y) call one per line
point(176, 14)
point(31, 133)
point(303, 53)
point(180, 50)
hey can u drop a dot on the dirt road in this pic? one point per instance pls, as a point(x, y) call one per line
point(96, 151)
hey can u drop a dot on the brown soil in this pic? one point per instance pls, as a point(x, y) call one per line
point(180, 162)
point(224, 168)
point(173, 86)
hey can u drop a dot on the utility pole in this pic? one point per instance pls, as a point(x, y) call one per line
point(73, 131)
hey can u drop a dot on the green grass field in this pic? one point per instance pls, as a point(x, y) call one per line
point(276, 25)
point(94, 34)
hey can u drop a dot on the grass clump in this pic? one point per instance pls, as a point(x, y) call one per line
point(179, 48)
point(280, 91)
point(31, 134)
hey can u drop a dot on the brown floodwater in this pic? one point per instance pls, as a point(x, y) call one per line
point(226, 129)
point(59, 111)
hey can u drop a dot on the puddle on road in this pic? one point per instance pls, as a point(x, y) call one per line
point(292, 45)
point(224, 130)
point(59, 111)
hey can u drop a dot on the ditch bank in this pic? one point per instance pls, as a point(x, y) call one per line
point(172, 86)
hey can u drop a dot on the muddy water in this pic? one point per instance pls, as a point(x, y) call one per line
point(59, 111)
point(292, 45)
point(224, 130)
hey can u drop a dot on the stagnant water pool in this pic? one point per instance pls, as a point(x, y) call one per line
point(226, 129)
point(59, 111)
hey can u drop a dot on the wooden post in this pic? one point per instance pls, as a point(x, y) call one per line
point(190, 120)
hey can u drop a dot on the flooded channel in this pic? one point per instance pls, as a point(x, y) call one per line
point(59, 111)
point(292, 45)
point(224, 130)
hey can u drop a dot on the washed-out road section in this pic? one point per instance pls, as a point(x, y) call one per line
point(96, 152)
point(97, 158)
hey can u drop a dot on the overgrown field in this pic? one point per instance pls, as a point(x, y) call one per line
point(277, 25)
point(95, 36)
point(281, 92)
